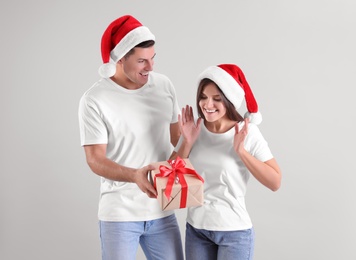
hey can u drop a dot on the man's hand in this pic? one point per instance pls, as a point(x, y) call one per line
point(141, 179)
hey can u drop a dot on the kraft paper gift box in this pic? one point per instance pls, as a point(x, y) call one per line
point(178, 185)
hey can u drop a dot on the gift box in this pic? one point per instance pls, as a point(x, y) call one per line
point(178, 185)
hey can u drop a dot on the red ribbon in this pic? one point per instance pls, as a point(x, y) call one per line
point(177, 171)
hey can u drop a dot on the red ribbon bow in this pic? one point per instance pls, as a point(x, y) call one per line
point(176, 172)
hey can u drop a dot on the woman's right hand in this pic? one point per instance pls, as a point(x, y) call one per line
point(188, 127)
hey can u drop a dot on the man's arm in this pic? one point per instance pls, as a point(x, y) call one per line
point(175, 133)
point(102, 166)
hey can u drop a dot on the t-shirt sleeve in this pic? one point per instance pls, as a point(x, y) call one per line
point(91, 125)
point(256, 144)
point(176, 108)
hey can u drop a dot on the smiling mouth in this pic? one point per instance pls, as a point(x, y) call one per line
point(144, 74)
point(211, 110)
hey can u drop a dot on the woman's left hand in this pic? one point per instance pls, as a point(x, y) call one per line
point(240, 135)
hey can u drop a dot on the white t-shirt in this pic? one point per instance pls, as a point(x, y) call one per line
point(135, 125)
point(226, 177)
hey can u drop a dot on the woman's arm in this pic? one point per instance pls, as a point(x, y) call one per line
point(268, 173)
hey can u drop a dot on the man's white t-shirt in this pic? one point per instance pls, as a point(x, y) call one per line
point(135, 125)
point(214, 158)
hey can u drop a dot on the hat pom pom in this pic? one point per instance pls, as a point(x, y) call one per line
point(255, 118)
point(107, 70)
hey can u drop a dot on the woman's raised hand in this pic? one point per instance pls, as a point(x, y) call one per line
point(240, 135)
point(188, 127)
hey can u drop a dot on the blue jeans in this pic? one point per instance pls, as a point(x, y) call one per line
point(159, 239)
point(223, 245)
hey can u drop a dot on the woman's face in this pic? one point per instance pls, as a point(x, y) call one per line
point(211, 103)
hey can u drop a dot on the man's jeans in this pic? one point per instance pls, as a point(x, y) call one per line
point(159, 239)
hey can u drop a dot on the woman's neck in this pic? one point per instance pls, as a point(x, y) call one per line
point(219, 126)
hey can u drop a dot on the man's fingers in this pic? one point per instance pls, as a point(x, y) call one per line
point(149, 167)
point(151, 195)
point(151, 192)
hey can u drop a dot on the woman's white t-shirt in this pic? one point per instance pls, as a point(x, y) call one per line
point(226, 177)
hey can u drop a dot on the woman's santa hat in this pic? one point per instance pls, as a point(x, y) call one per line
point(232, 82)
point(119, 38)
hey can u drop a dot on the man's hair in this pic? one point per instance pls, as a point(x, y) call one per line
point(145, 44)
point(231, 112)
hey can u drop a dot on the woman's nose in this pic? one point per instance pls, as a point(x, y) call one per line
point(210, 102)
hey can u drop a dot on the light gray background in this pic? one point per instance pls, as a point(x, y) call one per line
point(298, 56)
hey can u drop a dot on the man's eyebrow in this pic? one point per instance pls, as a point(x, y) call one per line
point(147, 59)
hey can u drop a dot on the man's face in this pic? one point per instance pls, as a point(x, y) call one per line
point(137, 66)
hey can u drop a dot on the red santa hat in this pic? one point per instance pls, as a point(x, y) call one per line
point(232, 82)
point(119, 38)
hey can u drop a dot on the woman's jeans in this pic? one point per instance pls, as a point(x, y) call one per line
point(159, 239)
point(223, 245)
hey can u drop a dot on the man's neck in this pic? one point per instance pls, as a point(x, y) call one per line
point(125, 82)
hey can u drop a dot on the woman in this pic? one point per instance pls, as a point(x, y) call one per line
point(225, 149)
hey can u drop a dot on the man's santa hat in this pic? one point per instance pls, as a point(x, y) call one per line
point(119, 38)
point(232, 82)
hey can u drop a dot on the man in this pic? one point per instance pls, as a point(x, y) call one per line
point(128, 119)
